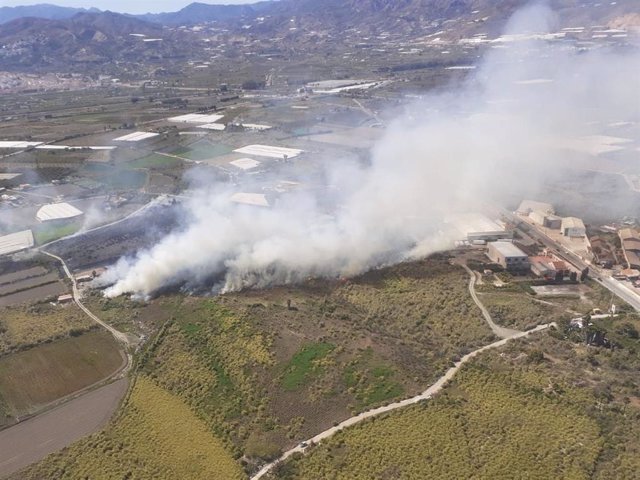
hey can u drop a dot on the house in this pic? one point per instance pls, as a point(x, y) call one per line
point(64, 299)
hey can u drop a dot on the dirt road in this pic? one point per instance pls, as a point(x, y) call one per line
point(498, 331)
point(34, 439)
point(118, 335)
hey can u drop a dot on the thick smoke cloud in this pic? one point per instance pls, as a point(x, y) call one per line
point(452, 152)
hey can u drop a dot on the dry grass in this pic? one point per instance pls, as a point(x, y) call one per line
point(23, 327)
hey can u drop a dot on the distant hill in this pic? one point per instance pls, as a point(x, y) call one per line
point(109, 40)
point(87, 38)
point(44, 10)
point(202, 12)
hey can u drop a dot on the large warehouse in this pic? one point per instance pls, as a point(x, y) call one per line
point(509, 256)
point(58, 212)
point(477, 227)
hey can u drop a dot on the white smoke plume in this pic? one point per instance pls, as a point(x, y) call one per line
point(454, 151)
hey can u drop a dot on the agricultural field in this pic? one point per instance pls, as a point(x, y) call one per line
point(156, 162)
point(583, 401)
point(55, 370)
point(24, 327)
point(156, 436)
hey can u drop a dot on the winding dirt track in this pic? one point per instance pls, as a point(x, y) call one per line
point(498, 331)
point(430, 392)
point(32, 440)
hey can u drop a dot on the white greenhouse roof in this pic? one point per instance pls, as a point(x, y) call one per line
point(136, 137)
point(196, 118)
point(245, 163)
point(9, 176)
point(57, 211)
point(474, 223)
point(213, 126)
point(4, 144)
point(253, 199)
point(269, 151)
point(16, 242)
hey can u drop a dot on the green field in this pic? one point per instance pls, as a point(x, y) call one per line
point(202, 151)
point(48, 233)
point(305, 365)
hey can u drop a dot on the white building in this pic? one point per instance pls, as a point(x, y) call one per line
point(527, 207)
point(58, 212)
point(477, 227)
point(573, 227)
point(16, 242)
point(509, 256)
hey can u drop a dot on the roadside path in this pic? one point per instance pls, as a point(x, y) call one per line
point(499, 331)
point(427, 394)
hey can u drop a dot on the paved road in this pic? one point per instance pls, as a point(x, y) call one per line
point(430, 392)
point(498, 331)
point(32, 440)
point(621, 290)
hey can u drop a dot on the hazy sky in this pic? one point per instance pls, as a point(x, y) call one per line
point(137, 6)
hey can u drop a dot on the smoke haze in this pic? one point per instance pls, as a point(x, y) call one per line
point(451, 152)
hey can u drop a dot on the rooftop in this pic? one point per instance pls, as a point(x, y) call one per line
point(245, 163)
point(196, 118)
point(628, 234)
point(507, 249)
point(528, 206)
point(136, 137)
point(572, 222)
point(253, 199)
point(269, 151)
point(57, 211)
point(469, 223)
point(9, 176)
point(16, 242)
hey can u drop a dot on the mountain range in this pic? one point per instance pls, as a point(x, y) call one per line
point(47, 36)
